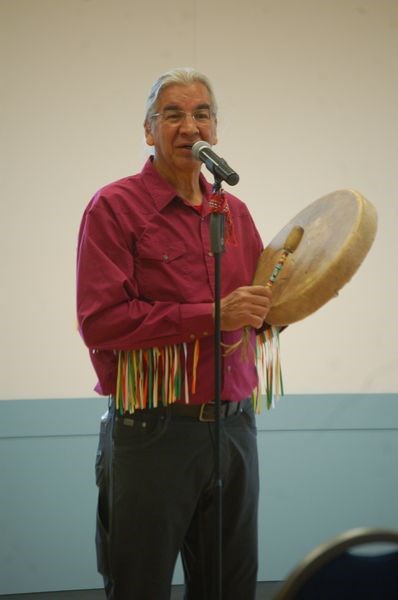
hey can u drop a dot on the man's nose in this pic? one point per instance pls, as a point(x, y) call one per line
point(189, 123)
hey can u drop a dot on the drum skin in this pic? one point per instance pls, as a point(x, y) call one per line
point(339, 230)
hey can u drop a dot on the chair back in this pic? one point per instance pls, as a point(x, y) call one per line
point(360, 563)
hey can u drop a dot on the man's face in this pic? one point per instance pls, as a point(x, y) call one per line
point(173, 140)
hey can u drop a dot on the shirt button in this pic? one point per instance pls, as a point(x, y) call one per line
point(205, 333)
point(165, 257)
point(192, 336)
point(210, 253)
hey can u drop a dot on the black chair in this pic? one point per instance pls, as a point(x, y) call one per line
point(358, 564)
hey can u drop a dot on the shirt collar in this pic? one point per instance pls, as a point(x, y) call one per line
point(161, 191)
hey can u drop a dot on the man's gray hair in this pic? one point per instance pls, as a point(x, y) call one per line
point(181, 76)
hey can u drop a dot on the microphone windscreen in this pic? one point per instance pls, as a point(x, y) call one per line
point(197, 147)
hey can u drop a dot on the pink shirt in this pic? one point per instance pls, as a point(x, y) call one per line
point(145, 278)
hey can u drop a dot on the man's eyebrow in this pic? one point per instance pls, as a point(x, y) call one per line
point(171, 107)
point(178, 107)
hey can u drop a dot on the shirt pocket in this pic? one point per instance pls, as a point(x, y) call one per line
point(162, 271)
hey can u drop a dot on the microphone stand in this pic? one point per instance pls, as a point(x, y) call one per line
point(217, 247)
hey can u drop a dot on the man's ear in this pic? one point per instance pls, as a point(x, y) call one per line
point(214, 139)
point(148, 133)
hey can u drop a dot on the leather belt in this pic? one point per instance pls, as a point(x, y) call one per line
point(205, 413)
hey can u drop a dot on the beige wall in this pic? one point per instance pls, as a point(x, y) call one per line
point(308, 94)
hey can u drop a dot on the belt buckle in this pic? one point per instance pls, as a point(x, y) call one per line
point(202, 416)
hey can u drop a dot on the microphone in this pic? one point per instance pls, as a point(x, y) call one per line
point(201, 150)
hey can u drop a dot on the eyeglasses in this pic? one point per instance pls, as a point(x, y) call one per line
point(201, 116)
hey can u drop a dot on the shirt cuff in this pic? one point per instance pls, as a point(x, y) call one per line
point(197, 320)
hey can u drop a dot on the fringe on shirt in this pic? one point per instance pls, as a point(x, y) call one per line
point(159, 376)
point(269, 371)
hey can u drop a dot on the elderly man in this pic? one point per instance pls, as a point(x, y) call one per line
point(145, 300)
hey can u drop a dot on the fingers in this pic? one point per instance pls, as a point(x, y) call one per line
point(247, 305)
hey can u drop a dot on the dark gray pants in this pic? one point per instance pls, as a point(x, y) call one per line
point(155, 473)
